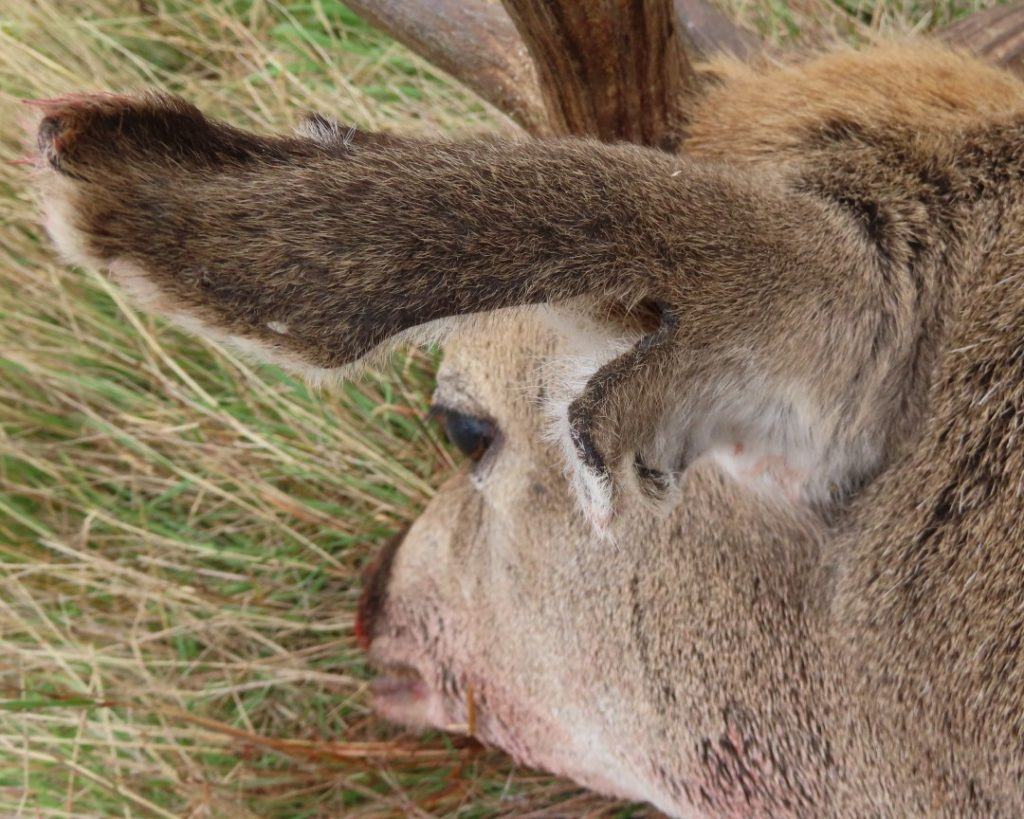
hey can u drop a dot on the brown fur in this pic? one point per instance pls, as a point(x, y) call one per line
point(833, 264)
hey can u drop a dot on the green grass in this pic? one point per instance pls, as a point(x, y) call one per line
point(182, 533)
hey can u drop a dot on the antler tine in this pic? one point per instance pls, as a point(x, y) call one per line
point(475, 42)
point(612, 69)
point(995, 34)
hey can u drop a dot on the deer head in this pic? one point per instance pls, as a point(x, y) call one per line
point(735, 348)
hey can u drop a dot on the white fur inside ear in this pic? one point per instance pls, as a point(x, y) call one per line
point(586, 347)
point(767, 436)
point(259, 350)
point(139, 287)
point(57, 203)
point(761, 433)
point(431, 332)
point(58, 208)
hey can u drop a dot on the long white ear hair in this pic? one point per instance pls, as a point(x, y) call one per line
point(586, 345)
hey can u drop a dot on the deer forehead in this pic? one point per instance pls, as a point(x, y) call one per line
point(494, 367)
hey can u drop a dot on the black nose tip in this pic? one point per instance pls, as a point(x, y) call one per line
point(375, 584)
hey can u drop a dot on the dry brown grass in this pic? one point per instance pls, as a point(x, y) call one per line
point(181, 533)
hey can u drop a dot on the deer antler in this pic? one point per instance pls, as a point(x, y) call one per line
point(477, 43)
point(996, 34)
point(614, 69)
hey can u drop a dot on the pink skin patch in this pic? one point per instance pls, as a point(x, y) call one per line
point(735, 775)
point(415, 688)
point(777, 469)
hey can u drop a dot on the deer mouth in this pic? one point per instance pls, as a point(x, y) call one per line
point(399, 683)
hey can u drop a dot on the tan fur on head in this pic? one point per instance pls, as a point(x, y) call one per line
point(787, 378)
point(765, 111)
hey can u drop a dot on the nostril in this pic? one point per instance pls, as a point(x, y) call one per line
point(375, 582)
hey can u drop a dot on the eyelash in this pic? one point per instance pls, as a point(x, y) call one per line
point(471, 435)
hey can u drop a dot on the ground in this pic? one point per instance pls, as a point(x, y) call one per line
point(181, 533)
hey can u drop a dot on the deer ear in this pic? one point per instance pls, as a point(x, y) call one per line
point(320, 250)
point(251, 241)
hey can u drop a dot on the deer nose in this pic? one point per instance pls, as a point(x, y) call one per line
point(375, 586)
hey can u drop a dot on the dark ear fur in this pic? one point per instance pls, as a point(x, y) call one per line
point(346, 239)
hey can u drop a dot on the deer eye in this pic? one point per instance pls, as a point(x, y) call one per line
point(467, 433)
